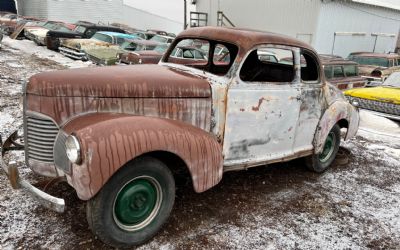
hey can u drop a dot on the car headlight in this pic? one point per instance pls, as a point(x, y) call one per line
point(73, 149)
point(140, 60)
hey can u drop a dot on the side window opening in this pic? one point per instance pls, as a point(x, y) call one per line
point(268, 65)
point(328, 72)
point(350, 70)
point(309, 69)
point(338, 71)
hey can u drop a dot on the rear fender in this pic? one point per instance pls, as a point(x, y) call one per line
point(109, 141)
point(339, 110)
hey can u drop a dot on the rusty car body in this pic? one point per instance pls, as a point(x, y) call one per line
point(110, 55)
point(119, 133)
point(83, 30)
point(154, 56)
point(376, 67)
point(76, 48)
point(342, 73)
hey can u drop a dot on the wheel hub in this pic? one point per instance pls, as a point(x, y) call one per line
point(328, 147)
point(137, 203)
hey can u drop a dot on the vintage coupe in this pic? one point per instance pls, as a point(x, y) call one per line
point(383, 100)
point(376, 67)
point(118, 134)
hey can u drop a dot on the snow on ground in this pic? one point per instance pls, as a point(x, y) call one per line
point(283, 206)
point(30, 48)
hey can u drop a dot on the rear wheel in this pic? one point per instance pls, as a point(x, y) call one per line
point(320, 162)
point(134, 204)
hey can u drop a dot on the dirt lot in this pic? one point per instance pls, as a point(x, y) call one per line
point(354, 205)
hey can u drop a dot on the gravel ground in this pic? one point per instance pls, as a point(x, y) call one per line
point(354, 205)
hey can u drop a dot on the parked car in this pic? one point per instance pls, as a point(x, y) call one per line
point(154, 56)
point(383, 100)
point(30, 32)
point(83, 30)
point(121, 132)
point(158, 32)
point(76, 48)
point(39, 35)
point(108, 55)
point(162, 39)
point(342, 73)
point(7, 21)
point(144, 34)
point(19, 32)
point(376, 67)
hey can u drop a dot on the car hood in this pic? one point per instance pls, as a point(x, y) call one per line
point(105, 52)
point(382, 94)
point(40, 32)
point(147, 81)
point(83, 44)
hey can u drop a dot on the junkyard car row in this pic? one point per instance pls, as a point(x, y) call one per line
point(209, 101)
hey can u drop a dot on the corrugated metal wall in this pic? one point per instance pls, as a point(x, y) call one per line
point(295, 18)
point(144, 20)
point(313, 21)
point(104, 11)
point(342, 16)
point(37, 8)
point(89, 10)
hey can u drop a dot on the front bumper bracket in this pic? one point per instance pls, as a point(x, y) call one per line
point(48, 201)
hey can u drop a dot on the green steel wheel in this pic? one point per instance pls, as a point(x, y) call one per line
point(134, 204)
point(320, 162)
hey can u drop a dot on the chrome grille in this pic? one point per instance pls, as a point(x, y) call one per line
point(41, 133)
point(384, 107)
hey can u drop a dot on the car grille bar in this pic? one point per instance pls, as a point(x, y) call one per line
point(384, 107)
point(41, 133)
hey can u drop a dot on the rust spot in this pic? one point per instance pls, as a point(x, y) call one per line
point(242, 109)
point(290, 129)
point(257, 108)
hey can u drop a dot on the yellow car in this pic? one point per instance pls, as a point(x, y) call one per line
point(383, 100)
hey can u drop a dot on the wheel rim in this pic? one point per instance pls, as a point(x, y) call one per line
point(137, 203)
point(329, 147)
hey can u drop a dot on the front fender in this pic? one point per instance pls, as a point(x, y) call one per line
point(339, 110)
point(109, 141)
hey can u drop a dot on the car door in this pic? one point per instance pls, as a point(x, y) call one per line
point(312, 103)
point(263, 105)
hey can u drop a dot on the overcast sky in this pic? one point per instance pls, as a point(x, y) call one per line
point(172, 9)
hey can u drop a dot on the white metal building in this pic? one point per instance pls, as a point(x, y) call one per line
point(107, 11)
point(331, 26)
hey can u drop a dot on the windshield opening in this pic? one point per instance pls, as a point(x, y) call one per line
point(377, 61)
point(80, 29)
point(196, 53)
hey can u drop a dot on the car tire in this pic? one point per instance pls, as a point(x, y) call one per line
point(134, 204)
point(320, 162)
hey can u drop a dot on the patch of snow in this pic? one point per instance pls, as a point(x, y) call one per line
point(29, 47)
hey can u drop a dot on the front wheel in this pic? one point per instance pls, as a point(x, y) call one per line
point(134, 204)
point(320, 162)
